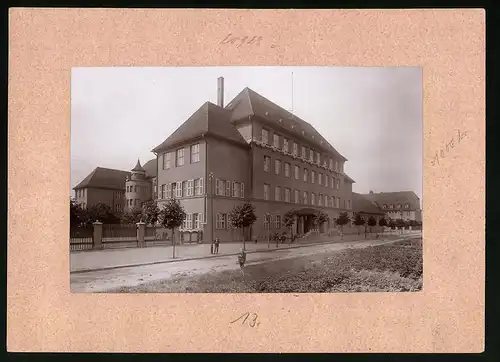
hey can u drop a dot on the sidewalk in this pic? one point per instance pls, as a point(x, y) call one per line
point(119, 258)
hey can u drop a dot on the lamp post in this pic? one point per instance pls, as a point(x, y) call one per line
point(268, 230)
point(211, 179)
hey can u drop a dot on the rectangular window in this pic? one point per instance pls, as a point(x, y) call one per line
point(198, 186)
point(295, 149)
point(266, 191)
point(190, 188)
point(179, 157)
point(305, 197)
point(320, 200)
point(318, 159)
point(162, 192)
point(326, 180)
point(296, 196)
point(178, 191)
point(170, 191)
point(338, 184)
point(196, 221)
point(236, 189)
point(266, 221)
point(184, 188)
point(311, 155)
point(287, 195)
point(285, 144)
point(242, 190)
point(331, 163)
point(349, 206)
point(313, 198)
point(195, 153)
point(336, 165)
point(267, 163)
point(287, 169)
point(313, 177)
point(303, 152)
point(265, 136)
point(332, 182)
point(330, 201)
point(167, 160)
point(326, 200)
point(320, 178)
point(296, 169)
point(228, 188)
point(221, 221)
point(220, 187)
point(277, 193)
point(277, 222)
point(277, 167)
point(276, 140)
point(189, 218)
point(306, 173)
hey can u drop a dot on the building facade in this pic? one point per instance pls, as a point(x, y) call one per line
point(398, 205)
point(116, 188)
point(251, 150)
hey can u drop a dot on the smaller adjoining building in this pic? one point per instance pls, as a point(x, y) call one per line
point(398, 205)
point(120, 190)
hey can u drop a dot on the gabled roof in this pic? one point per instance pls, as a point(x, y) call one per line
point(209, 119)
point(362, 204)
point(106, 178)
point(150, 168)
point(249, 102)
point(395, 198)
point(348, 179)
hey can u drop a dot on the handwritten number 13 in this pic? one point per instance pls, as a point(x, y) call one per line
point(251, 317)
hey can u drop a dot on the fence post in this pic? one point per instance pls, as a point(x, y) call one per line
point(97, 234)
point(141, 231)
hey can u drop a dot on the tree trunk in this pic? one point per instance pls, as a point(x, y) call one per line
point(244, 238)
point(342, 232)
point(173, 243)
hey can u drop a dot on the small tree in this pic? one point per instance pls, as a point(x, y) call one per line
point(243, 216)
point(77, 215)
point(132, 216)
point(288, 220)
point(103, 213)
point(371, 222)
point(392, 224)
point(171, 217)
point(320, 218)
point(358, 221)
point(383, 223)
point(342, 220)
point(151, 212)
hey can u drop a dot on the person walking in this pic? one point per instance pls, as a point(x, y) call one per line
point(242, 257)
point(216, 245)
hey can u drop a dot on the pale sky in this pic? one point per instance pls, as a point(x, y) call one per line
point(372, 116)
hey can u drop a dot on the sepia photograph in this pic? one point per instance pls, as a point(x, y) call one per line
point(246, 179)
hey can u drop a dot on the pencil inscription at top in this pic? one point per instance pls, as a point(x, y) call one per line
point(454, 142)
point(243, 40)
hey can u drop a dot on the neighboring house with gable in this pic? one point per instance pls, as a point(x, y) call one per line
point(398, 205)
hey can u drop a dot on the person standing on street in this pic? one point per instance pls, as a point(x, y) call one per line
point(216, 246)
point(242, 257)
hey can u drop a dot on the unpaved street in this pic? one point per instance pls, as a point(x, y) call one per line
point(104, 280)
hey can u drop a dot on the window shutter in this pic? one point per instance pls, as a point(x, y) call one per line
point(201, 186)
point(242, 195)
point(228, 188)
point(234, 189)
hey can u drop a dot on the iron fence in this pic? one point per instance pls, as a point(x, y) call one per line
point(81, 238)
point(118, 235)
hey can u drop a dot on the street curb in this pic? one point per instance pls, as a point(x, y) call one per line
point(206, 257)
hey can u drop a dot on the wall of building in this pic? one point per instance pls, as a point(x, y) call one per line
point(188, 171)
point(96, 196)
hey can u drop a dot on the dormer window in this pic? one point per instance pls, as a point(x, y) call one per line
point(391, 206)
point(280, 120)
point(385, 206)
point(313, 137)
point(407, 206)
point(293, 126)
point(399, 206)
point(303, 133)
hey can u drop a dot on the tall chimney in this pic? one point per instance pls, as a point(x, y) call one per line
point(220, 92)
